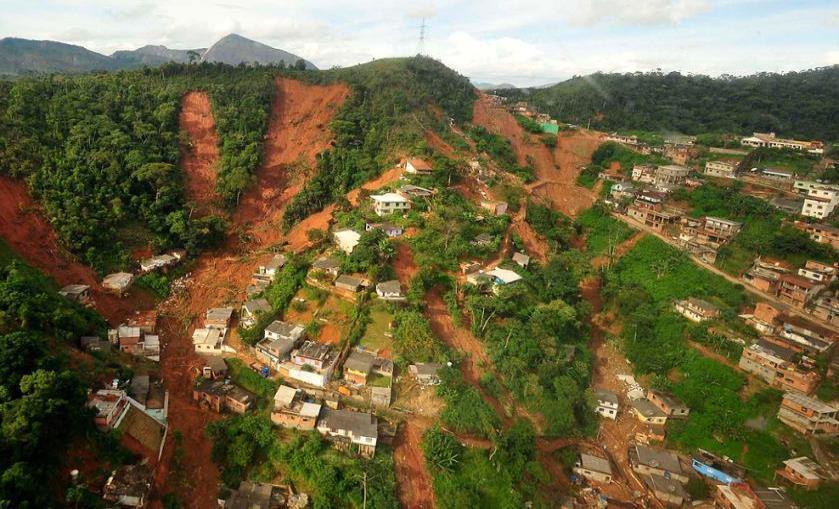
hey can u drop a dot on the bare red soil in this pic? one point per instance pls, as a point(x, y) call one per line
point(199, 159)
point(298, 130)
point(414, 485)
point(25, 229)
point(556, 171)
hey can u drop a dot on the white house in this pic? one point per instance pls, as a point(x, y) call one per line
point(390, 290)
point(820, 202)
point(346, 240)
point(207, 341)
point(725, 168)
point(390, 203)
point(503, 276)
point(417, 166)
point(607, 404)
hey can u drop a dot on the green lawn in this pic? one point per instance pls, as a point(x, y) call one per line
point(601, 230)
point(376, 335)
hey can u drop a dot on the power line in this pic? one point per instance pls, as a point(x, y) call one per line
point(421, 42)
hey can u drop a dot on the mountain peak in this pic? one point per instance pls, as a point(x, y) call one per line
point(234, 49)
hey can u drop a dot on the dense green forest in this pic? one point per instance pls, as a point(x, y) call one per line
point(42, 399)
point(797, 104)
point(101, 151)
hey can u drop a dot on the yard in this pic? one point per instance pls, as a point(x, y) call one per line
point(377, 336)
point(325, 315)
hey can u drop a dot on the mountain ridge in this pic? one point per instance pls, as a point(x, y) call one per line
point(23, 57)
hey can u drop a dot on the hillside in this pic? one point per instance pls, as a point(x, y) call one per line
point(20, 57)
point(234, 49)
point(797, 104)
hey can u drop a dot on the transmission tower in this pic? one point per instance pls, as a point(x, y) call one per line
point(421, 42)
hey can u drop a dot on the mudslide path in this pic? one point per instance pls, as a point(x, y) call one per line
point(557, 170)
point(200, 155)
point(25, 228)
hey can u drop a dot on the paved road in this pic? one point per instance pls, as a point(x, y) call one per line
point(786, 308)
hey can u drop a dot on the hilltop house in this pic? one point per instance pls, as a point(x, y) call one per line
point(312, 363)
point(648, 413)
point(391, 230)
point(818, 272)
point(77, 293)
point(797, 290)
point(426, 373)
point(269, 270)
point(360, 365)
point(390, 290)
point(218, 318)
point(207, 341)
point(349, 429)
point(696, 310)
point(820, 202)
point(821, 233)
point(292, 411)
point(328, 265)
point(771, 141)
point(350, 283)
point(808, 415)
point(666, 489)
point(390, 203)
point(777, 367)
point(671, 175)
point(643, 173)
point(118, 282)
point(416, 166)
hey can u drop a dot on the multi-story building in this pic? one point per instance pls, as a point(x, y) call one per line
point(820, 202)
point(724, 168)
point(827, 308)
point(607, 404)
point(797, 290)
point(808, 415)
point(778, 367)
point(818, 272)
point(807, 337)
point(805, 186)
point(668, 403)
point(821, 233)
point(292, 411)
point(672, 175)
point(350, 429)
point(647, 460)
point(390, 203)
point(644, 173)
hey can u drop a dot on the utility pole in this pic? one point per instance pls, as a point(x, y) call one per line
point(364, 484)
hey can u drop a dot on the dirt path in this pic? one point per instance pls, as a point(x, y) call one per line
point(27, 231)
point(556, 171)
point(414, 484)
point(621, 249)
point(199, 159)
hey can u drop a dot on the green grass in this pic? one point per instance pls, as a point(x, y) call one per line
point(602, 230)
point(248, 379)
point(375, 336)
point(800, 163)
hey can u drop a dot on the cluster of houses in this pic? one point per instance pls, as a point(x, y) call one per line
point(770, 140)
point(210, 338)
point(137, 336)
point(120, 282)
point(808, 288)
point(678, 148)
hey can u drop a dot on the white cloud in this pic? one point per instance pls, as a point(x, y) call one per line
point(520, 41)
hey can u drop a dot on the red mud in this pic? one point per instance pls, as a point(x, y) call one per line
point(25, 229)
point(199, 159)
point(556, 172)
point(298, 130)
point(414, 482)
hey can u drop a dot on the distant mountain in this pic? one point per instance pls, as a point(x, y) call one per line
point(20, 57)
point(23, 56)
point(481, 85)
point(152, 55)
point(234, 49)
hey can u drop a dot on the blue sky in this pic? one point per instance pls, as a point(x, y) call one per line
point(522, 42)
